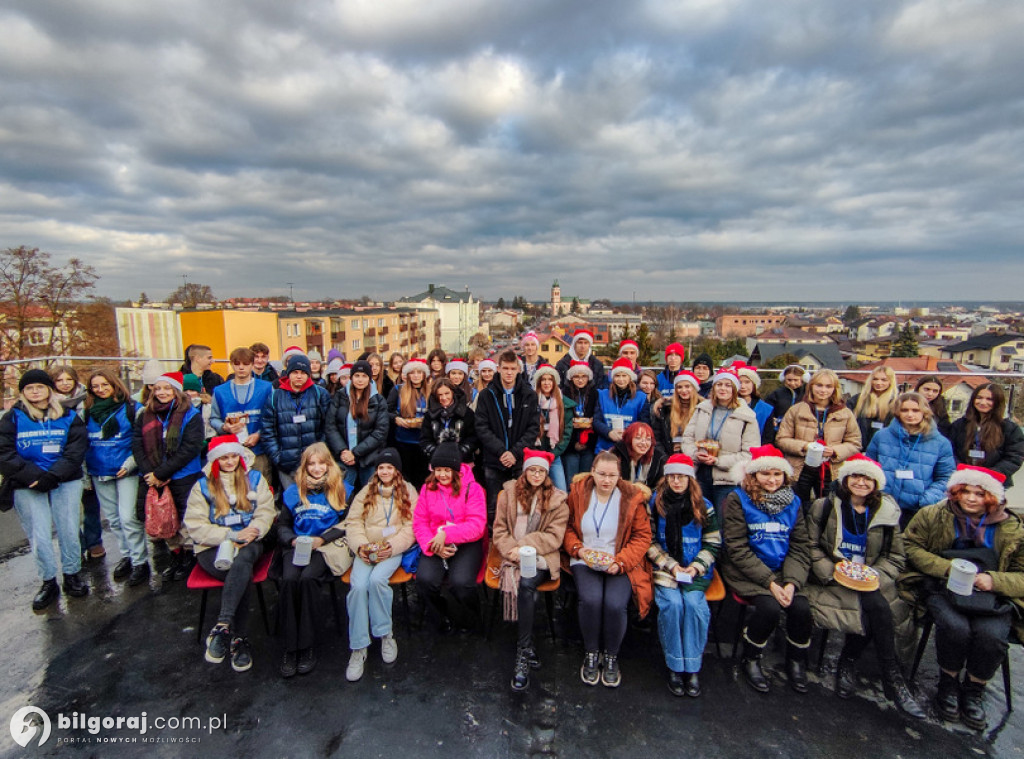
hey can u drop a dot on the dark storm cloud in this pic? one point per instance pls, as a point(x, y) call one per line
point(690, 149)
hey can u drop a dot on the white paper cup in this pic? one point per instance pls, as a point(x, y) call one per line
point(527, 561)
point(961, 577)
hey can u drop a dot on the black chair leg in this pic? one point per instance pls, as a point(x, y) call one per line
point(263, 607)
point(331, 585)
point(822, 649)
point(549, 603)
point(202, 616)
point(926, 631)
point(1007, 690)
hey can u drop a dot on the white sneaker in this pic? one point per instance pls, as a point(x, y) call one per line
point(355, 665)
point(388, 648)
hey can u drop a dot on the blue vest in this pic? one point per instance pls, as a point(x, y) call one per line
point(42, 442)
point(853, 546)
point(236, 519)
point(313, 519)
point(629, 411)
point(195, 465)
point(769, 534)
point(692, 537)
point(105, 457)
point(666, 384)
point(249, 403)
point(763, 411)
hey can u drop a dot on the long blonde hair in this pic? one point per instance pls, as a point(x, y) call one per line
point(221, 500)
point(334, 487)
point(53, 409)
point(409, 396)
point(680, 414)
point(927, 417)
point(871, 405)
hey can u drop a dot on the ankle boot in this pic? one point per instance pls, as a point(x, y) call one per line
point(846, 677)
point(896, 690)
point(947, 697)
point(972, 704)
point(521, 671)
point(531, 653)
point(752, 666)
point(796, 667)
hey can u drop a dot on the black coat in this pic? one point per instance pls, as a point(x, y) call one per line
point(372, 432)
point(1007, 459)
point(492, 428)
point(600, 378)
point(461, 427)
point(781, 399)
point(654, 473)
point(190, 446)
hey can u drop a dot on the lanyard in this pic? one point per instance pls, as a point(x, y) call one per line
point(298, 404)
point(510, 404)
point(166, 421)
point(859, 520)
point(251, 387)
point(421, 405)
point(821, 423)
point(904, 461)
point(593, 513)
point(391, 508)
point(716, 431)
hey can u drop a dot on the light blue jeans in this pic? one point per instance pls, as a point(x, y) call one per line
point(40, 513)
point(117, 500)
point(574, 462)
point(558, 474)
point(369, 600)
point(683, 619)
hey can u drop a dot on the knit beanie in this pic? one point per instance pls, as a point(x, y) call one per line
point(705, 360)
point(334, 366)
point(677, 349)
point(362, 367)
point(334, 353)
point(35, 377)
point(298, 362)
point(447, 455)
point(191, 382)
point(151, 371)
point(389, 456)
point(315, 355)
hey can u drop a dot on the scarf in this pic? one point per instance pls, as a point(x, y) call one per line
point(678, 514)
point(315, 485)
point(509, 581)
point(553, 427)
point(156, 444)
point(972, 527)
point(104, 412)
point(774, 503)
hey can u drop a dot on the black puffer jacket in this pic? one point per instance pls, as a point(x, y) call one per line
point(586, 405)
point(456, 423)
point(492, 428)
point(781, 399)
point(371, 432)
point(1006, 459)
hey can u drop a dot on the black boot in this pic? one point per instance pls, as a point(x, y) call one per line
point(846, 677)
point(184, 568)
point(972, 704)
point(677, 683)
point(947, 698)
point(752, 666)
point(173, 566)
point(521, 671)
point(796, 668)
point(896, 690)
point(75, 586)
point(692, 684)
point(47, 594)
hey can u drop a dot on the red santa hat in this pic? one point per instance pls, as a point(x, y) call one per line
point(686, 375)
point(345, 370)
point(417, 364)
point(174, 379)
point(745, 370)
point(586, 334)
point(290, 351)
point(988, 480)
point(623, 365)
point(858, 463)
point(458, 364)
point(545, 370)
point(726, 373)
point(679, 463)
point(677, 349)
point(579, 367)
point(222, 445)
point(529, 337)
point(629, 343)
point(537, 458)
point(763, 458)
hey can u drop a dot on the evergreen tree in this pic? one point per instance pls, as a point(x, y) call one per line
point(906, 344)
point(501, 304)
point(646, 344)
point(851, 314)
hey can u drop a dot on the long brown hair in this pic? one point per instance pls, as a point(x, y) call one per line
point(359, 401)
point(334, 488)
point(409, 396)
point(431, 482)
point(757, 493)
point(525, 493)
point(988, 427)
point(401, 493)
point(700, 510)
point(120, 391)
point(556, 393)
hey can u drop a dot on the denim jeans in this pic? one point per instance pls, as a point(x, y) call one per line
point(91, 534)
point(117, 500)
point(40, 513)
point(558, 474)
point(683, 619)
point(369, 600)
point(357, 476)
point(574, 462)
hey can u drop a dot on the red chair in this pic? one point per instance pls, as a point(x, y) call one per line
point(200, 579)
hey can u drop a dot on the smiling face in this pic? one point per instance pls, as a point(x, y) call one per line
point(724, 391)
point(375, 366)
point(487, 375)
point(457, 376)
point(535, 475)
point(445, 396)
point(860, 485)
point(443, 475)
point(416, 377)
point(163, 392)
point(259, 361)
point(386, 473)
point(546, 384)
point(770, 479)
point(984, 402)
point(360, 381)
point(397, 362)
point(229, 462)
point(101, 388)
point(316, 467)
point(530, 350)
point(641, 445)
point(822, 390)
point(684, 391)
point(647, 384)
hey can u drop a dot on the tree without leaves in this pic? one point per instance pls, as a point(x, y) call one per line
point(191, 294)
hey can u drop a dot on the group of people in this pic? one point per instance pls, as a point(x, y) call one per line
point(634, 493)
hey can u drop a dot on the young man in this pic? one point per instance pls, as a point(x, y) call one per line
point(261, 368)
point(237, 407)
point(530, 344)
point(631, 349)
point(580, 350)
point(507, 420)
point(674, 355)
point(293, 419)
point(198, 360)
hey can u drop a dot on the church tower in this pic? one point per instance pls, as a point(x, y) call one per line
point(556, 299)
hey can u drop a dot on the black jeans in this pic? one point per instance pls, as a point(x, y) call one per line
point(462, 570)
point(415, 465)
point(764, 616)
point(234, 598)
point(494, 480)
point(809, 485)
point(876, 617)
point(527, 603)
point(602, 607)
point(298, 604)
point(979, 642)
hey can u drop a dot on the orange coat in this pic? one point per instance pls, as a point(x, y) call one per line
point(632, 536)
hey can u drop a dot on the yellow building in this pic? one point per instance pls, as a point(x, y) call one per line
point(410, 331)
point(225, 330)
point(552, 348)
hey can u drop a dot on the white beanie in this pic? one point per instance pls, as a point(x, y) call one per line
point(861, 464)
point(151, 371)
point(545, 371)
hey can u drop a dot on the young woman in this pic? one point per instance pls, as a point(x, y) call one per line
point(531, 359)
point(42, 446)
point(67, 384)
point(556, 420)
point(931, 388)
point(670, 417)
point(407, 405)
point(858, 522)
point(648, 385)
point(720, 435)
point(794, 379)
point(448, 418)
point(357, 426)
point(683, 551)
point(606, 539)
point(379, 530)
point(875, 406)
point(449, 523)
point(167, 443)
point(109, 414)
point(750, 383)
point(314, 507)
point(436, 361)
point(766, 560)
point(579, 454)
point(916, 459)
point(619, 406)
point(822, 418)
point(380, 377)
point(457, 371)
point(971, 523)
point(485, 370)
point(531, 512)
point(984, 437)
point(395, 363)
point(640, 461)
point(230, 502)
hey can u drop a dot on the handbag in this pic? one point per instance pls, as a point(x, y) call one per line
point(162, 520)
point(982, 603)
point(411, 559)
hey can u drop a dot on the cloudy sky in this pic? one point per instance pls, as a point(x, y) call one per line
point(684, 149)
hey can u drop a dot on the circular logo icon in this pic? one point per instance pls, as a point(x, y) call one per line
point(28, 723)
